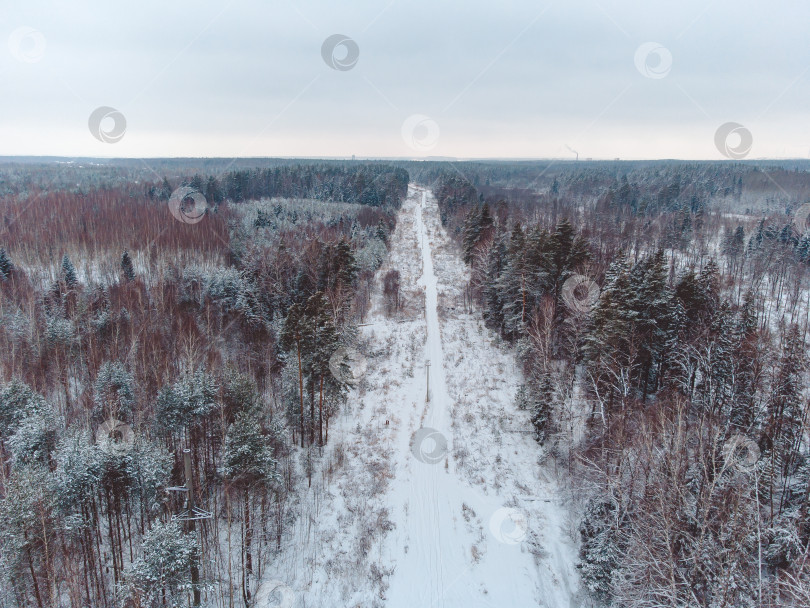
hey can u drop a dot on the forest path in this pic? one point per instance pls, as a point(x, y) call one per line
point(456, 542)
point(434, 503)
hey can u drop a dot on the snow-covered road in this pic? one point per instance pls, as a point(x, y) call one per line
point(456, 543)
point(433, 503)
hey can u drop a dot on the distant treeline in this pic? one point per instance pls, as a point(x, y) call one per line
point(374, 185)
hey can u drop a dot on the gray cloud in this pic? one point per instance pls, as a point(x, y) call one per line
point(509, 79)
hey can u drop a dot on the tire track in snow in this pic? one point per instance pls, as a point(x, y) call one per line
point(442, 550)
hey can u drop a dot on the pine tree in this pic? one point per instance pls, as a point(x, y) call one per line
point(18, 401)
point(803, 247)
point(750, 356)
point(785, 406)
point(716, 386)
point(6, 267)
point(610, 345)
point(78, 472)
point(189, 400)
point(34, 439)
point(68, 272)
point(345, 263)
point(126, 267)
point(213, 192)
point(496, 258)
point(656, 328)
point(247, 462)
point(471, 232)
point(564, 252)
point(114, 394)
point(542, 408)
point(600, 552)
point(163, 570)
point(246, 455)
point(30, 531)
point(699, 295)
point(477, 226)
point(756, 241)
point(514, 286)
point(294, 337)
point(166, 190)
point(323, 342)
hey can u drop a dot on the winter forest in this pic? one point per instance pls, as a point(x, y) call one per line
point(336, 383)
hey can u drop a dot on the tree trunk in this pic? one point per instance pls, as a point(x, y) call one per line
point(33, 575)
point(320, 415)
point(312, 412)
point(248, 542)
point(301, 388)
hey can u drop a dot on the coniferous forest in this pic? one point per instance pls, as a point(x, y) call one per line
point(170, 336)
point(671, 380)
point(129, 338)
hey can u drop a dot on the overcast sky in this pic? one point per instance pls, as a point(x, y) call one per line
point(459, 78)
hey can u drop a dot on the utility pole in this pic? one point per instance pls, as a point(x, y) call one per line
point(191, 526)
point(427, 372)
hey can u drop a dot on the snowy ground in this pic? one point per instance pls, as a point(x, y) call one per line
point(435, 502)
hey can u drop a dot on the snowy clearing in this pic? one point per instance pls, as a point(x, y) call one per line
point(437, 502)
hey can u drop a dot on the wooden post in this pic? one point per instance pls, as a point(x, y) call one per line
point(195, 571)
point(427, 372)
